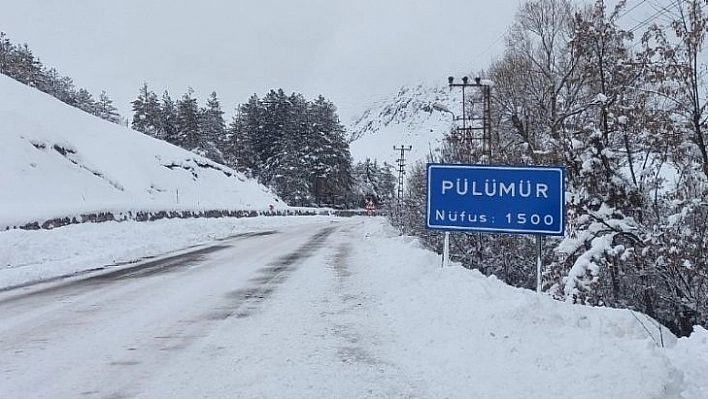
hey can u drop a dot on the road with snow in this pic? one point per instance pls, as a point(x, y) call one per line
point(194, 324)
point(307, 308)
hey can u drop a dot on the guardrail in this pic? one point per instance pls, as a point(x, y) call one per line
point(149, 216)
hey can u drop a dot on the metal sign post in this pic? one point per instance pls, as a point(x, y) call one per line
point(497, 199)
point(446, 250)
point(539, 263)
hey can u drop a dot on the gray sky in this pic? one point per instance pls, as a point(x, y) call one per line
point(353, 52)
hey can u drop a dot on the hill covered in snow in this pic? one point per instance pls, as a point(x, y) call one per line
point(416, 116)
point(448, 331)
point(57, 162)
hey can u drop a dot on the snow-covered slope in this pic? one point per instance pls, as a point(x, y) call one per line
point(416, 116)
point(57, 161)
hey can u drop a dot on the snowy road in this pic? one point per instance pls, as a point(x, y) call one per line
point(189, 325)
point(310, 308)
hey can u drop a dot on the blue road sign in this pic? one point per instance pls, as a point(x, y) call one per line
point(496, 199)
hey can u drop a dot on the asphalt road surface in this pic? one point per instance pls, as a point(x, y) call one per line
point(149, 329)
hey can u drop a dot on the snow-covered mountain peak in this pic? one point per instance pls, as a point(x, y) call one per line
point(417, 116)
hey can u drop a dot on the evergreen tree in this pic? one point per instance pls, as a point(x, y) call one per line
point(250, 122)
point(374, 182)
point(168, 120)
point(268, 138)
point(188, 130)
point(283, 146)
point(5, 53)
point(295, 146)
point(147, 114)
point(84, 101)
point(236, 152)
point(330, 157)
point(288, 174)
point(105, 109)
point(213, 129)
point(19, 63)
point(24, 67)
point(61, 87)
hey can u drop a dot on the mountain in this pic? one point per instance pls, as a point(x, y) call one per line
point(416, 116)
point(59, 162)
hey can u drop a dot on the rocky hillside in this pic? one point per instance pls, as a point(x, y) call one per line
point(416, 116)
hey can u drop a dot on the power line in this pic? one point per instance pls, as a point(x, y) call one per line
point(654, 16)
point(483, 52)
point(503, 34)
point(631, 9)
point(656, 5)
point(495, 42)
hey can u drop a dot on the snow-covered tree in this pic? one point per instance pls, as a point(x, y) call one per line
point(168, 119)
point(84, 101)
point(147, 113)
point(106, 110)
point(212, 129)
point(187, 123)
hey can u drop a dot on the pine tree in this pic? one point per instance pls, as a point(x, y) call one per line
point(330, 157)
point(294, 146)
point(19, 63)
point(147, 113)
point(372, 181)
point(213, 129)
point(188, 129)
point(168, 120)
point(247, 128)
point(24, 67)
point(105, 109)
point(283, 146)
point(84, 101)
point(234, 147)
point(5, 53)
point(268, 138)
point(61, 87)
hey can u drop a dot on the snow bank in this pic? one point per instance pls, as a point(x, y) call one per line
point(691, 356)
point(492, 340)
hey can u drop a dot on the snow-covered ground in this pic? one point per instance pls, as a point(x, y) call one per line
point(57, 161)
point(414, 329)
point(371, 314)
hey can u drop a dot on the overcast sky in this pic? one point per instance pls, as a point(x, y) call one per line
point(353, 52)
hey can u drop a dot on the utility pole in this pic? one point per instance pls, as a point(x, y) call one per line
point(401, 167)
point(468, 126)
point(467, 136)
